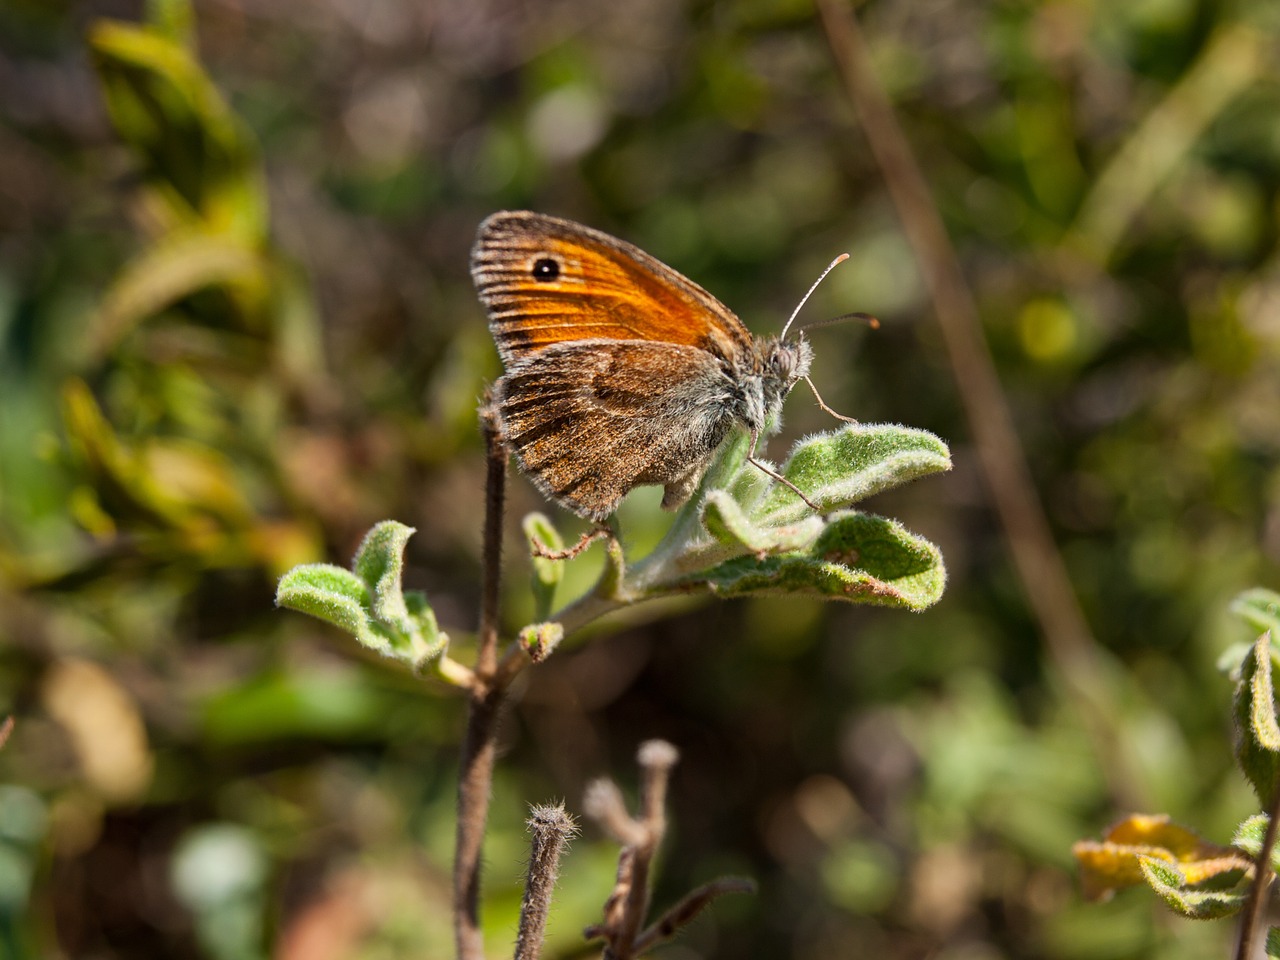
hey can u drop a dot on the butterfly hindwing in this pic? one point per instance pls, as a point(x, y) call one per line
point(582, 423)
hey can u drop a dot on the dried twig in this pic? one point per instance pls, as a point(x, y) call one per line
point(625, 910)
point(683, 913)
point(552, 828)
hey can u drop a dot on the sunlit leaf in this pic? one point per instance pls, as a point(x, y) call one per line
point(195, 153)
point(1171, 884)
point(725, 519)
point(1116, 861)
point(1259, 607)
point(1257, 730)
point(542, 536)
point(176, 266)
point(858, 558)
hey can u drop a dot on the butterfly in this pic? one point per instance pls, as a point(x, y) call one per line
point(620, 372)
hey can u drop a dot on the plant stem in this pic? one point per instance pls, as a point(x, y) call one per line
point(1262, 876)
point(552, 828)
point(479, 745)
point(495, 495)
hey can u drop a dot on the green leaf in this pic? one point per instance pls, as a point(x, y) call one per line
point(368, 601)
point(1273, 942)
point(1250, 836)
point(1257, 730)
point(542, 536)
point(858, 557)
point(195, 153)
point(379, 562)
point(539, 640)
point(1167, 880)
point(335, 596)
point(427, 641)
point(1262, 719)
point(174, 18)
point(613, 576)
point(728, 523)
point(851, 464)
point(1259, 607)
point(178, 265)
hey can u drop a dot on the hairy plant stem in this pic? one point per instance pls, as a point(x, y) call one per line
point(485, 701)
point(552, 828)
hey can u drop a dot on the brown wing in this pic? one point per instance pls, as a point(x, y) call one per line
point(590, 420)
point(545, 280)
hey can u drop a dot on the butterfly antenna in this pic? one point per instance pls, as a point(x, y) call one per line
point(868, 319)
point(803, 300)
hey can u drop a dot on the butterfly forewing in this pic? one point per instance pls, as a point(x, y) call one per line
point(544, 281)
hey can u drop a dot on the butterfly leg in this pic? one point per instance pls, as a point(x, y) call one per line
point(822, 403)
point(591, 536)
point(751, 459)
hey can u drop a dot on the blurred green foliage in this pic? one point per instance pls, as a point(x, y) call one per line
point(231, 345)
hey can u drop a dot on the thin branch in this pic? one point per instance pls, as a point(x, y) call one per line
point(6, 729)
point(687, 910)
point(552, 829)
point(479, 745)
point(625, 910)
point(1254, 909)
point(1040, 566)
point(495, 495)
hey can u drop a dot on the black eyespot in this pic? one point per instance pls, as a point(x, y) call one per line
point(545, 270)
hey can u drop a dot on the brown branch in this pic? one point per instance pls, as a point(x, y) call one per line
point(1255, 907)
point(686, 911)
point(6, 729)
point(495, 495)
point(625, 910)
point(480, 743)
point(1040, 566)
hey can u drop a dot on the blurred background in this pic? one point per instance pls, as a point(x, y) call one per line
point(236, 329)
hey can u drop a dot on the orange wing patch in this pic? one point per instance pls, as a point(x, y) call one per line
point(545, 280)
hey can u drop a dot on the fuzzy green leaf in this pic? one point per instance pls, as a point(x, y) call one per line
point(335, 596)
point(1260, 608)
point(728, 523)
point(1257, 731)
point(367, 601)
point(1168, 881)
point(858, 557)
point(1262, 719)
point(542, 536)
point(539, 640)
point(850, 464)
point(615, 569)
point(379, 562)
point(426, 640)
point(1250, 835)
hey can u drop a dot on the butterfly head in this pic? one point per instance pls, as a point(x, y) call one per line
point(782, 363)
point(785, 362)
